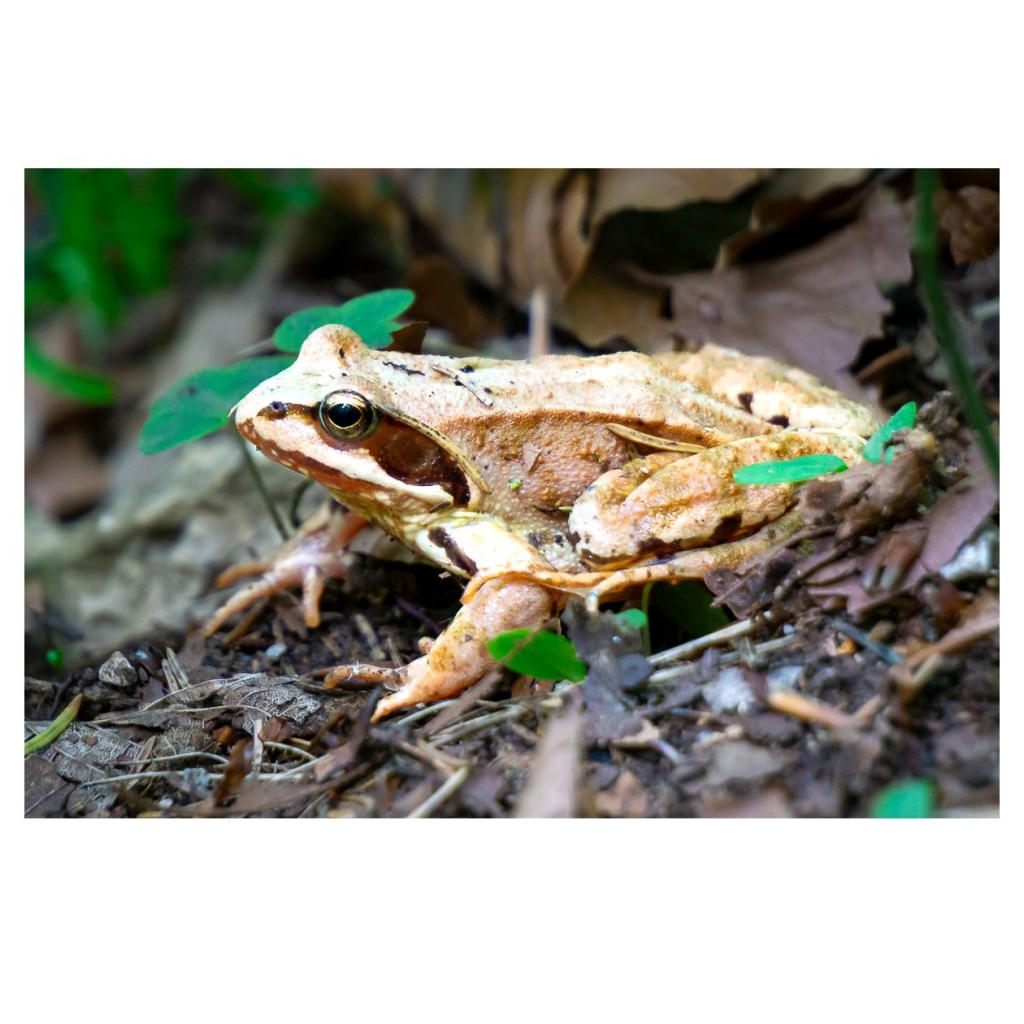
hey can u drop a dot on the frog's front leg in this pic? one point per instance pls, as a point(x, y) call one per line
point(314, 555)
point(459, 657)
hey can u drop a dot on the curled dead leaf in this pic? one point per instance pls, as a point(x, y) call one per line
point(971, 221)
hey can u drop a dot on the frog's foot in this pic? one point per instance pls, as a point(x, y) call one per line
point(459, 657)
point(314, 555)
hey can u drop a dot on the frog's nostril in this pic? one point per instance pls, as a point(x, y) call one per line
point(276, 409)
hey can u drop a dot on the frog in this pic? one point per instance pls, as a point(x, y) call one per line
point(533, 480)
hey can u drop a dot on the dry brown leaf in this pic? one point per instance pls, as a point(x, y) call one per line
point(980, 619)
point(949, 524)
point(550, 218)
point(662, 189)
point(812, 308)
point(791, 196)
point(971, 220)
point(625, 798)
point(553, 787)
point(443, 300)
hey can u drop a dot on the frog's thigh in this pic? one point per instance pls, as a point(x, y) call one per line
point(662, 503)
point(460, 657)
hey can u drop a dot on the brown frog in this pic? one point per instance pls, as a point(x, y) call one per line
point(532, 479)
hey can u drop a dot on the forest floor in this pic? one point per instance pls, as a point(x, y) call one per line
point(814, 691)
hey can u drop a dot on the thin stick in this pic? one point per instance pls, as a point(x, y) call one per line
point(261, 486)
point(447, 790)
point(730, 632)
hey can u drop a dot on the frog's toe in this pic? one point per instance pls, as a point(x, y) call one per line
point(299, 567)
point(373, 675)
point(423, 684)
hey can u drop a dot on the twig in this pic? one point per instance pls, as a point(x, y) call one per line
point(447, 790)
point(261, 487)
point(461, 731)
point(667, 675)
point(791, 703)
point(288, 748)
point(429, 755)
point(730, 632)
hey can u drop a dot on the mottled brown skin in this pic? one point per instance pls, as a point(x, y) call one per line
point(513, 474)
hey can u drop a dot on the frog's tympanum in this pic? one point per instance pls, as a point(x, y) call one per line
point(533, 480)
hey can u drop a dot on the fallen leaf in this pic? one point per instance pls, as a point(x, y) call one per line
point(971, 220)
point(741, 761)
point(610, 649)
point(552, 788)
point(980, 620)
point(235, 772)
point(625, 798)
point(769, 803)
point(948, 524)
point(812, 308)
point(790, 197)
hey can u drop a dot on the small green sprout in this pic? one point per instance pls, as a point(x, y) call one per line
point(789, 471)
point(807, 467)
point(901, 419)
point(544, 655)
point(632, 617)
point(909, 798)
point(201, 403)
point(514, 485)
point(55, 728)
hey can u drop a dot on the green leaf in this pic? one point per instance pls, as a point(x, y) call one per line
point(910, 798)
point(903, 417)
point(544, 656)
point(72, 380)
point(632, 617)
point(371, 316)
point(688, 604)
point(788, 471)
point(201, 402)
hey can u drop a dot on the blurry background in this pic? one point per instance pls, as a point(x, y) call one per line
point(136, 278)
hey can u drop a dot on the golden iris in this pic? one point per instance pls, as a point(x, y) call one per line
point(348, 416)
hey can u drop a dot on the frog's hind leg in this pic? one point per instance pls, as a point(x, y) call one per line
point(664, 503)
point(314, 555)
point(459, 657)
point(685, 565)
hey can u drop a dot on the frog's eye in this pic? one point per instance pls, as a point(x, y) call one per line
point(348, 416)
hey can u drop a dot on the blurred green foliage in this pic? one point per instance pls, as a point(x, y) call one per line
point(97, 239)
point(201, 403)
point(101, 237)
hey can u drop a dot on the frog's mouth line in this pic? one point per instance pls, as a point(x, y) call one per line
point(398, 462)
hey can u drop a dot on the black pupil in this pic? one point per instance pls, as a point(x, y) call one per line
point(344, 416)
